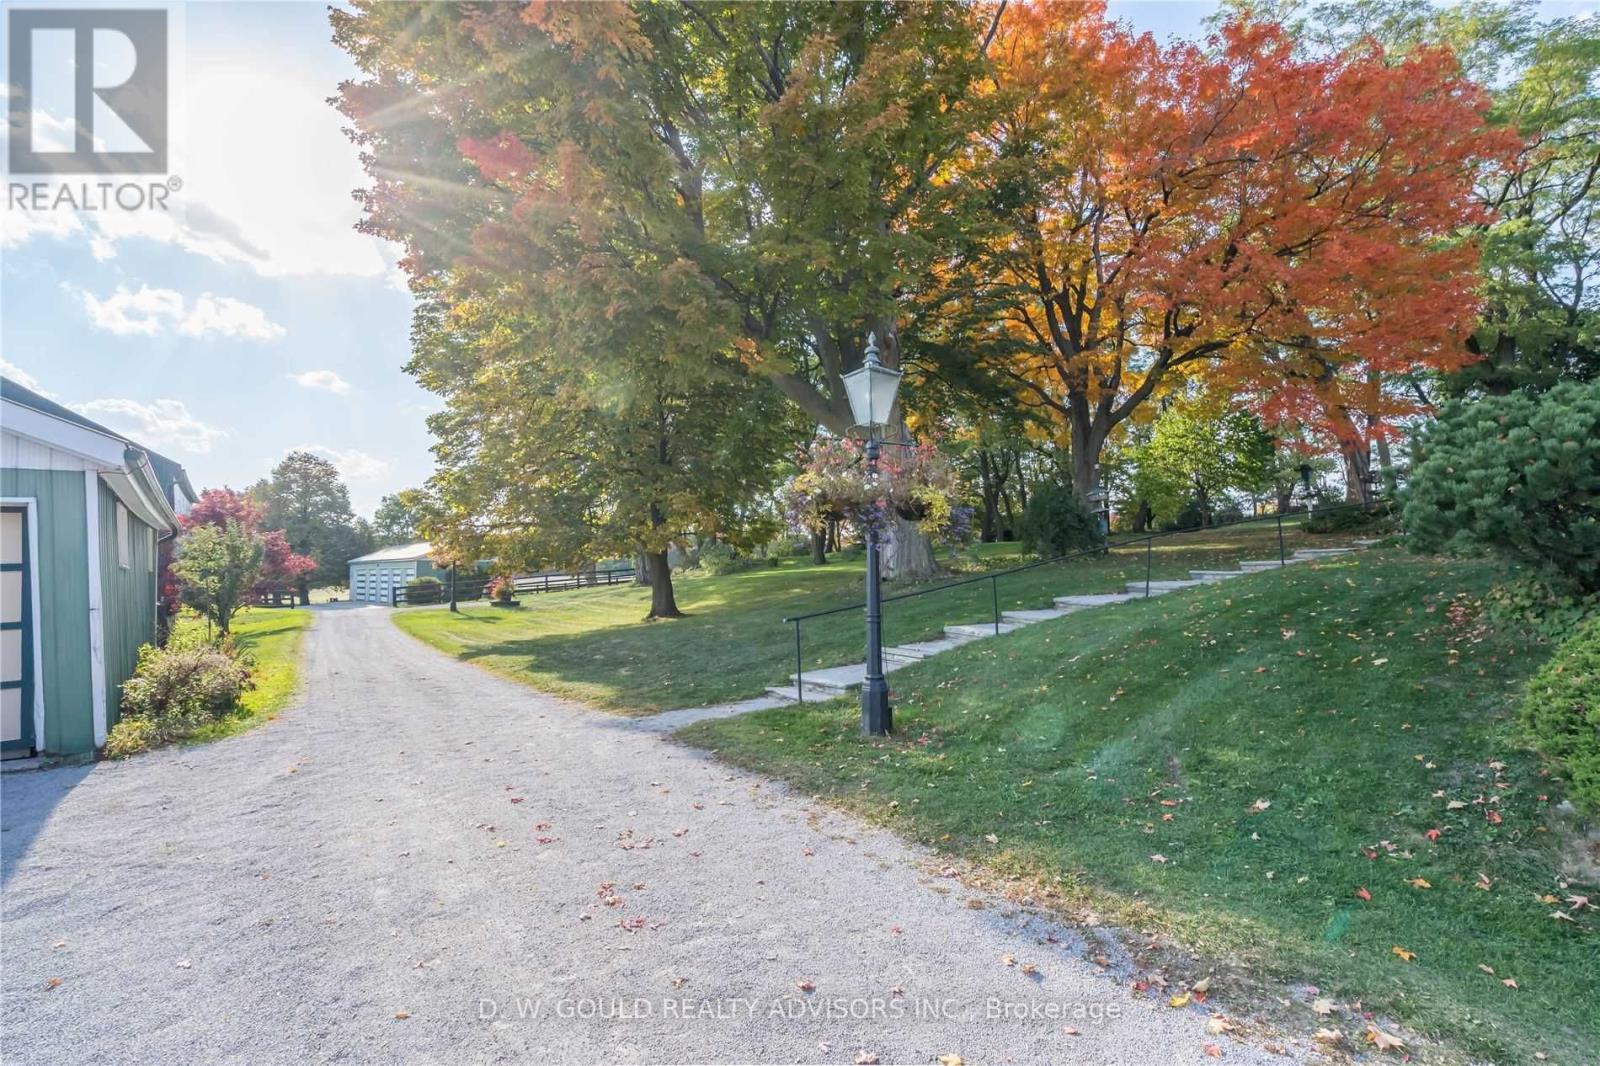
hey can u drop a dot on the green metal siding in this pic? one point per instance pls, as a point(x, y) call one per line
point(62, 568)
point(127, 598)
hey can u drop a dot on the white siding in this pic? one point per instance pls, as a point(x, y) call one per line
point(24, 453)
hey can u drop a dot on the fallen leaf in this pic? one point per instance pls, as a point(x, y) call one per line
point(806, 986)
point(1455, 805)
point(866, 1058)
point(1322, 1006)
point(1486, 969)
point(1260, 805)
point(54, 982)
point(1213, 1051)
point(1419, 882)
point(1180, 1000)
point(402, 1015)
point(1070, 1030)
point(1509, 982)
point(1434, 834)
point(1202, 985)
point(184, 964)
point(1382, 1040)
point(951, 1060)
point(1562, 916)
point(991, 838)
point(1158, 858)
point(1328, 1036)
point(1363, 893)
point(1403, 953)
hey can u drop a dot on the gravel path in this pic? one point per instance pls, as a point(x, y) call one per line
point(408, 866)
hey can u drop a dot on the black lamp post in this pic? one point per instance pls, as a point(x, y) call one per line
point(871, 391)
point(1305, 479)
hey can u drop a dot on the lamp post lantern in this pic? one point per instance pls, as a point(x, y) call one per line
point(1305, 479)
point(871, 391)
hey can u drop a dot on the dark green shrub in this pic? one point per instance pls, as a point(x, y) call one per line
point(1057, 522)
point(1518, 476)
point(717, 558)
point(1561, 713)
point(175, 690)
point(1378, 520)
point(424, 590)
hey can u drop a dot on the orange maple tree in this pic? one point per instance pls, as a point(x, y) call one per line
point(1291, 228)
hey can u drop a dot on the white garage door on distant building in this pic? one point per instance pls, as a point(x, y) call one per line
point(375, 577)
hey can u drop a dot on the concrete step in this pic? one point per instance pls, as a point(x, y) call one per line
point(1254, 565)
point(1215, 575)
point(978, 630)
point(1320, 553)
point(1099, 599)
point(919, 650)
point(1026, 618)
point(841, 679)
point(812, 695)
point(1138, 587)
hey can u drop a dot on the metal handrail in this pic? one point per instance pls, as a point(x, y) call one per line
point(1148, 540)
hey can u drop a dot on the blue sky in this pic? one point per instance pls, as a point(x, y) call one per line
point(254, 319)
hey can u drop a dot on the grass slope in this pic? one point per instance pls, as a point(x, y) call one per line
point(591, 645)
point(1281, 742)
point(272, 636)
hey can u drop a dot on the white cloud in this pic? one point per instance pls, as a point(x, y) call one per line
point(161, 424)
point(19, 227)
point(227, 317)
point(151, 312)
point(21, 376)
point(143, 313)
point(321, 379)
point(354, 464)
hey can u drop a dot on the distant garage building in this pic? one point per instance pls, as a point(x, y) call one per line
point(375, 577)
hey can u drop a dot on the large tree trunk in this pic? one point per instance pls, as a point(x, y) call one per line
point(641, 569)
point(819, 546)
point(662, 603)
point(908, 553)
point(1141, 517)
point(1087, 440)
point(1391, 481)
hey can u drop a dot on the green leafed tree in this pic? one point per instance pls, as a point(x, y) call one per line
point(306, 498)
point(398, 517)
point(554, 456)
point(1199, 450)
point(215, 568)
point(777, 167)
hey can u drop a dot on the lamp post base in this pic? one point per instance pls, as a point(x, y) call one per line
point(877, 720)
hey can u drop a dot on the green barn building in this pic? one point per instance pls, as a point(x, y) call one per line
point(82, 513)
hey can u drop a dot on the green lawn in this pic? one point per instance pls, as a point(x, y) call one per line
point(593, 646)
point(1234, 767)
point(273, 637)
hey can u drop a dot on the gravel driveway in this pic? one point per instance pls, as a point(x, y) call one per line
point(421, 862)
